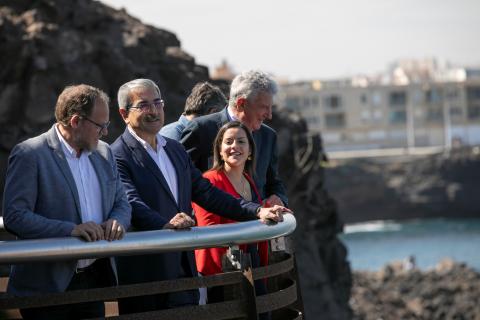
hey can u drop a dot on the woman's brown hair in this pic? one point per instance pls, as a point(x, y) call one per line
point(218, 163)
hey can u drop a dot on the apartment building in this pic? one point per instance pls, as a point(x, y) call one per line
point(401, 110)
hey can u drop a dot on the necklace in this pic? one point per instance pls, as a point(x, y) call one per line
point(246, 193)
point(242, 187)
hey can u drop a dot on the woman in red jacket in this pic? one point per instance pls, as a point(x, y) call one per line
point(233, 165)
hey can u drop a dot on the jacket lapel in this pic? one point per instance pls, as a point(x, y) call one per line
point(62, 163)
point(142, 156)
point(176, 162)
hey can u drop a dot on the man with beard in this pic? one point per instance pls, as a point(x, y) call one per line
point(161, 182)
point(65, 183)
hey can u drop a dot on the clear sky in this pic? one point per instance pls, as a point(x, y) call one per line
point(311, 39)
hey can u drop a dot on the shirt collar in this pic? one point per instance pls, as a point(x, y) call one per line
point(67, 148)
point(183, 120)
point(161, 142)
point(231, 115)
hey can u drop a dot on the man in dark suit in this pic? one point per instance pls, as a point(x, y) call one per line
point(250, 102)
point(161, 181)
point(65, 183)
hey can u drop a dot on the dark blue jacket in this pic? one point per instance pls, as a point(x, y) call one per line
point(198, 138)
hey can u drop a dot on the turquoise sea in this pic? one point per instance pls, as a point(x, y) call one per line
point(373, 244)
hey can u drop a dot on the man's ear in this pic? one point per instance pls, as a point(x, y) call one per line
point(241, 102)
point(123, 114)
point(74, 121)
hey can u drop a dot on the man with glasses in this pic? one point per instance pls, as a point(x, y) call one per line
point(161, 182)
point(65, 183)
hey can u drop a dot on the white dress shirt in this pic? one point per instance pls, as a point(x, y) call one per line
point(162, 160)
point(88, 187)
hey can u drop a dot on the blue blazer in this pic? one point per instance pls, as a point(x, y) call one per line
point(198, 138)
point(41, 201)
point(153, 205)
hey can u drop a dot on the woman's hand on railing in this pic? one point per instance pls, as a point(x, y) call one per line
point(274, 213)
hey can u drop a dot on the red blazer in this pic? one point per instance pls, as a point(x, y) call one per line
point(209, 261)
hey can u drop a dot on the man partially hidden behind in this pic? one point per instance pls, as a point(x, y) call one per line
point(65, 183)
point(251, 100)
point(161, 182)
point(205, 98)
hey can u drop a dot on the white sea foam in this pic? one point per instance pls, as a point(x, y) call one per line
point(372, 226)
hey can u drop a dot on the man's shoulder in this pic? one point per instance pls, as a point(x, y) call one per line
point(208, 119)
point(118, 144)
point(33, 144)
point(103, 149)
point(267, 130)
point(172, 130)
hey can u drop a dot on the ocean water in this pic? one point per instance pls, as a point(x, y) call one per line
point(371, 245)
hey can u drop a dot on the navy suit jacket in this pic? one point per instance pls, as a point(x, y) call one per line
point(153, 205)
point(198, 138)
point(41, 201)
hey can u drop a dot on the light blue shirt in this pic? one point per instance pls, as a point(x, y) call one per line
point(174, 130)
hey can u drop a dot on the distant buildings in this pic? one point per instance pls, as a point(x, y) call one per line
point(416, 103)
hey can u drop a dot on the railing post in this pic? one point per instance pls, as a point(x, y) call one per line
point(236, 260)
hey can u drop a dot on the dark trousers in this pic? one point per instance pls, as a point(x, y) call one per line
point(97, 275)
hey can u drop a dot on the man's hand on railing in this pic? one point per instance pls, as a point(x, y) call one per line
point(273, 200)
point(89, 231)
point(113, 230)
point(274, 213)
point(180, 221)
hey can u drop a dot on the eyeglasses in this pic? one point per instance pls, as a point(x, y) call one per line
point(99, 126)
point(144, 106)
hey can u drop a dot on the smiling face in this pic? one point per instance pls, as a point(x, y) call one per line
point(253, 112)
point(145, 114)
point(235, 148)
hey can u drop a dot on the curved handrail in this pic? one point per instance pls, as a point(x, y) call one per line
point(144, 242)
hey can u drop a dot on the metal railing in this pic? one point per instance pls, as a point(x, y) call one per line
point(284, 300)
point(145, 242)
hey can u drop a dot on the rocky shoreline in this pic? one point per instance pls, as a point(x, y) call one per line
point(407, 187)
point(449, 291)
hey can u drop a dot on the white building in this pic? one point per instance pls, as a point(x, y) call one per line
point(414, 105)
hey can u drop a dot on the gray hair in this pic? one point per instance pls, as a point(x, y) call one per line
point(124, 91)
point(249, 84)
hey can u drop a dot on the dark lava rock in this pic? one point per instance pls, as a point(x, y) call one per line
point(46, 45)
point(438, 185)
point(449, 291)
